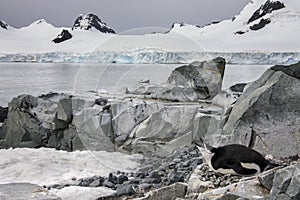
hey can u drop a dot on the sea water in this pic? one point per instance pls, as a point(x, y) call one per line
point(41, 78)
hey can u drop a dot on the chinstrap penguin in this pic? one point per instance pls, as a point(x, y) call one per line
point(237, 159)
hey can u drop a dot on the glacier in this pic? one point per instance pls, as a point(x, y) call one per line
point(154, 56)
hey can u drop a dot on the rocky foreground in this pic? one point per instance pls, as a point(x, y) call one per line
point(168, 124)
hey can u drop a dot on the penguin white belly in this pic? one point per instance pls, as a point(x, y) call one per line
point(251, 166)
point(226, 171)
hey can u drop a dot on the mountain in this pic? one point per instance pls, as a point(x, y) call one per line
point(268, 7)
point(262, 26)
point(3, 24)
point(90, 22)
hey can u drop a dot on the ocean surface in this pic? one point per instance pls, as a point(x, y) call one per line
point(41, 78)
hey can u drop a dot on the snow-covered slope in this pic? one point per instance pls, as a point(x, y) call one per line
point(237, 34)
point(263, 25)
point(38, 36)
point(48, 167)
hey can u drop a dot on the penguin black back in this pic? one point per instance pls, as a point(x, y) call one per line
point(237, 159)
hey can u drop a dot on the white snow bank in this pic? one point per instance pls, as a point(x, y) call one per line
point(84, 193)
point(49, 166)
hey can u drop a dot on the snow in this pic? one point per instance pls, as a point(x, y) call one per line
point(49, 166)
point(281, 35)
point(86, 193)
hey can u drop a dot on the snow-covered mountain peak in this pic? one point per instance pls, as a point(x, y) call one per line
point(40, 24)
point(90, 22)
point(268, 7)
point(179, 27)
point(4, 25)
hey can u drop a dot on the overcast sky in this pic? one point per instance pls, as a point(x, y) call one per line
point(121, 15)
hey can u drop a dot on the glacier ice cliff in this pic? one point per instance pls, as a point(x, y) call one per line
point(154, 56)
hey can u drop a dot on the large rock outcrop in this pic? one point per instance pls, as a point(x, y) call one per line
point(205, 77)
point(63, 36)
point(267, 116)
point(120, 123)
point(286, 183)
point(193, 82)
point(151, 120)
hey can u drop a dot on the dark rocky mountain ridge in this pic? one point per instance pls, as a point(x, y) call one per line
point(89, 21)
point(3, 24)
point(266, 8)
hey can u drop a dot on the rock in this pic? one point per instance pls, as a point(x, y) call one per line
point(167, 92)
point(112, 178)
point(127, 190)
point(47, 121)
point(225, 100)
point(3, 24)
point(63, 36)
point(266, 179)
point(23, 126)
point(266, 116)
point(248, 189)
point(176, 176)
point(109, 184)
point(101, 101)
point(3, 133)
point(91, 21)
point(93, 136)
point(128, 115)
point(121, 179)
point(239, 87)
point(20, 191)
point(94, 127)
point(3, 114)
point(205, 77)
point(205, 126)
point(286, 183)
point(262, 23)
point(195, 184)
point(171, 192)
point(163, 131)
point(268, 7)
point(64, 110)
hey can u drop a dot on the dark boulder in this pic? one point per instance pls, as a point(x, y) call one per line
point(89, 21)
point(266, 8)
point(3, 114)
point(63, 36)
point(205, 77)
point(292, 70)
point(239, 87)
point(266, 116)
